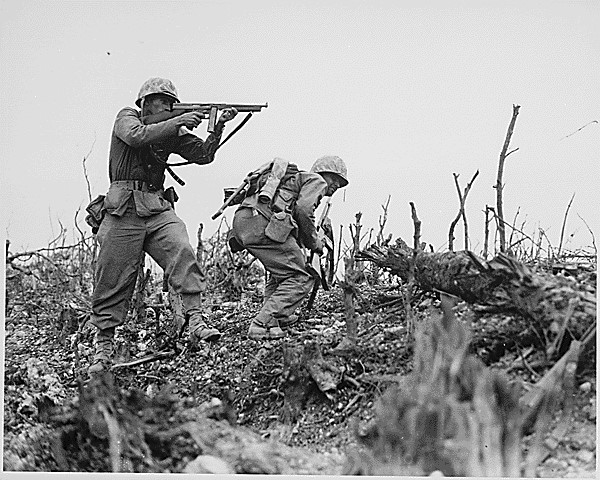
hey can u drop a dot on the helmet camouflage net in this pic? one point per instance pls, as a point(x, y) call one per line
point(157, 85)
point(331, 164)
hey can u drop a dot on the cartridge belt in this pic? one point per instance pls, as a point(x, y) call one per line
point(137, 185)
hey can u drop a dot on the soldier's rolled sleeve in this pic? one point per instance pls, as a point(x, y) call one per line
point(311, 193)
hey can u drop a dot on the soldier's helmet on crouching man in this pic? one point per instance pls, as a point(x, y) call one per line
point(157, 85)
point(331, 164)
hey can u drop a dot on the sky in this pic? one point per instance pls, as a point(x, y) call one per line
point(407, 93)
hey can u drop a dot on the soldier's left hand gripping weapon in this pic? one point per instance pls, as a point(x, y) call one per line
point(323, 275)
point(209, 110)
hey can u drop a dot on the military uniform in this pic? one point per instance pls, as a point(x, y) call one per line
point(138, 218)
point(289, 282)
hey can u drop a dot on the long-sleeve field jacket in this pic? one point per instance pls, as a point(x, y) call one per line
point(139, 152)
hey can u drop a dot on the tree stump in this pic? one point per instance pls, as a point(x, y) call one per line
point(304, 368)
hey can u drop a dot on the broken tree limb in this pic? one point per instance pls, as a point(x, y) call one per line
point(486, 231)
point(502, 283)
point(146, 359)
point(411, 269)
point(559, 378)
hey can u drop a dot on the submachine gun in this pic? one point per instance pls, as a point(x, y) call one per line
point(208, 110)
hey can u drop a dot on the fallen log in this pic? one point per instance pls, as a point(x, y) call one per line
point(502, 283)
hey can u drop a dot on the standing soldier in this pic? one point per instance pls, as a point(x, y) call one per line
point(140, 219)
point(295, 202)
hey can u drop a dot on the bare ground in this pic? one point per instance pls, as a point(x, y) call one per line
point(43, 361)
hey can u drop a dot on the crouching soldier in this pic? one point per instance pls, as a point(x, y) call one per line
point(139, 215)
point(275, 231)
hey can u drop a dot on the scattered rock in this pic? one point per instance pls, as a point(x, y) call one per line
point(586, 456)
point(395, 331)
point(555, 466)
point(592, 414)
point(551, 443)
point(585, 387)
point(208, 464)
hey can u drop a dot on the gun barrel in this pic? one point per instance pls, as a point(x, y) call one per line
point(205, 107)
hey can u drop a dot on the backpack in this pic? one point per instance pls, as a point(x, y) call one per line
point(268, 181)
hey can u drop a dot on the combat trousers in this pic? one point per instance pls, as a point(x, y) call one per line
point(122, 243)
point(289, 282)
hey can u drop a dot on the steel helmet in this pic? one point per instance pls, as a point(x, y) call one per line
point(157, 85)
point(331, 164)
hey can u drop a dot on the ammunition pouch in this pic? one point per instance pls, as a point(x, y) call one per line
point(279, 227)
point(96, 212)
point(170, 195)
point(234, 245)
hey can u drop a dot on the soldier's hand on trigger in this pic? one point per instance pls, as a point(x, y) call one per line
point(228, 114)
point(190, 120)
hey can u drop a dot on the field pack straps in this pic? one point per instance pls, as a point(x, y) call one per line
point(267, 191)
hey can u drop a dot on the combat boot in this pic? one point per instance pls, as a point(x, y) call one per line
point(199, 330)
point(286, 322)
point(259, 330)
point(103, 351)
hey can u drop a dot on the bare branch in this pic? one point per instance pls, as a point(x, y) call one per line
point(36, 252)
point(85, 174)
point(579, 129)
point(512, 227)
point(562, 230)
point(499, 186)
point(592, 234)
point(462, 197)
point(383, 220)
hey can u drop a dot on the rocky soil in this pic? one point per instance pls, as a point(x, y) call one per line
point(44, 358)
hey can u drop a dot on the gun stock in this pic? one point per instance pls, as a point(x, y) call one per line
point(246, 181)
point(231, 198)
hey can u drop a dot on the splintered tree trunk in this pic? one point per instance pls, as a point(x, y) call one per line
point(502, 283)
point(140, 294)
point(349, 287)
point(303, 367)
